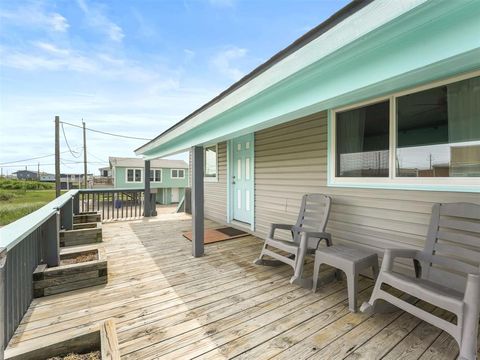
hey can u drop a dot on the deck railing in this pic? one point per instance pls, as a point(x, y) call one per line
point(114, 204)
point(34, 240)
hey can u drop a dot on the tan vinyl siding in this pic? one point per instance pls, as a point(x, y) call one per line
point(291, 160)
point(216, 192)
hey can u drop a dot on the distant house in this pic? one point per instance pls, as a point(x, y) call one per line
point(105, 171)
point(25, 175)
point(47, 177)
point(169, 177)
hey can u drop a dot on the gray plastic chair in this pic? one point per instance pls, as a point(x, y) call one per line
point(306, 235)
point(447, 274)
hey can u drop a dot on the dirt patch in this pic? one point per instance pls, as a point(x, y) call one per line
point(79, 258)
point(95, 355)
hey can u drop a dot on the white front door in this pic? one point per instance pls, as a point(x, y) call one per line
point(242, 178)
point(175, 195)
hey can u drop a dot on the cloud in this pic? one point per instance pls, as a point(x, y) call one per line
point(34, 15)
point(222, 62)
point(222, 3)
point(97, 19)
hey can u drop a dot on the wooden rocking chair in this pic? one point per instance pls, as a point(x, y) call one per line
point(447, 274)
point(306, 235)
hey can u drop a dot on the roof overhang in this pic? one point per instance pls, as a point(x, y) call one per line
point(373, 51)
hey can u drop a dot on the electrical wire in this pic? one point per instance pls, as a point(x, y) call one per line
point(34, 158)
point(106, 133)
point(77, 155)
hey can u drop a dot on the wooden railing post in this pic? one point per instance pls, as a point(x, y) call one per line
point(76, 203)
point(66, 215)
point(52, 240)
point(3, 259)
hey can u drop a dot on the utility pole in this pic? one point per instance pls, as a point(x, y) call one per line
point(38, 171)
point(57, 156)
point(84, 156)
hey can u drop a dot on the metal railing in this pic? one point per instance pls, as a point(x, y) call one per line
point(114, 204)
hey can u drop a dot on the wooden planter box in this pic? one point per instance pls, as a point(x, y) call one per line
point(87, 217)
point(68, 277)
point(88, 233)
point(101, 337)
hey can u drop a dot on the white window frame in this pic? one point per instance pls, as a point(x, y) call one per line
point(210, 178)
point(177, 177)
point(467, 184)
point(154, 179)
point(134, 169)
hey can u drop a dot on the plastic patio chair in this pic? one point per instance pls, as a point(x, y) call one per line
point(447, 274)
point(306, 235)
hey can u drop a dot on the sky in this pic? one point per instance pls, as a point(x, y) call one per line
point(132, 68)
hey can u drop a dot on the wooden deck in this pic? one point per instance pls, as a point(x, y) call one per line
point(169, 305)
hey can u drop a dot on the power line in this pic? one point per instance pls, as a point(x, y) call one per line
point(68, 145)
point(106, 133)
point(96, 157)
point(63, 162)
point(34, 158)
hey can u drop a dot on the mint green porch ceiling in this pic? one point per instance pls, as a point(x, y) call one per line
point(432, 41)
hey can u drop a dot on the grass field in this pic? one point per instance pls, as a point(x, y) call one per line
point(17, 203)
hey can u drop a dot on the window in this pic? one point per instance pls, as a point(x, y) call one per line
point(438, 131)
point(432, 132)
point(210, 170)
point(178, 174)
point(362, 141)
point(134, 175)
point(156, 175)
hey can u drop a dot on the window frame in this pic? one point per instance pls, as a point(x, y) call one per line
point(177, 177)
point(210, 178)
point(393, 181)
point(154, 177)
point(134, 181)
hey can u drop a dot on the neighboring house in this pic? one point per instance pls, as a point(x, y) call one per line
point(47, 177)
point(357, 108)
point(25, 175)
point(105, 172)
point(169, 177)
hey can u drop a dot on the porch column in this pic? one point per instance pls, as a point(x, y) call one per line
point(197, 201)
point(147, 198)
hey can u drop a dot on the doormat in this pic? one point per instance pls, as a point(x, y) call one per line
point(220, 234)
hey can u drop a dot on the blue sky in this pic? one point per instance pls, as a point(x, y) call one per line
point(128, 67)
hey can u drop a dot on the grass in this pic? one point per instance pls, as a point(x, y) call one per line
point(15, 204)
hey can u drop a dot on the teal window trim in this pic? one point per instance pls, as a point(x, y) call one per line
point(393, 182)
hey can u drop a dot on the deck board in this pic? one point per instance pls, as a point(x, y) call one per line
point(169, 305)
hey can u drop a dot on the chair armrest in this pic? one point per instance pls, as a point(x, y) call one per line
point(274, 227)
point(391, 254)
point(320, 235)
point(472, 291)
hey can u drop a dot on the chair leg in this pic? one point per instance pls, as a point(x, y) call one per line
point(316, 270)
point(368, 307)
point(352, 281)
point(468, 342)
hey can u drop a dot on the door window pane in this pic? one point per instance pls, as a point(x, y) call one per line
point(438, 131)
point(362, 141)
point(211, 161)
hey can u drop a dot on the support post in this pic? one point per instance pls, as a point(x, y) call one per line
point(52, 240)
point(3, 259)
point(153, 202)
point(66, 215)
point(85, 181)
point(197, 201)
point(57, 156)
point(147, 201)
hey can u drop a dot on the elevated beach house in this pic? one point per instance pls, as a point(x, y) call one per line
point(378, 107)
point(169, 177)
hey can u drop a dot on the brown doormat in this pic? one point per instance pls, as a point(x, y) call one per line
point(220, 234)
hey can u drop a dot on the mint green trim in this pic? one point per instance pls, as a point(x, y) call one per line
point(229, 182)
point(433, 41)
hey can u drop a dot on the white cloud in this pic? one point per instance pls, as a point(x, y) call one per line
point(34, 15)
point(97, 19)
point(222, 3)
point(222, 62)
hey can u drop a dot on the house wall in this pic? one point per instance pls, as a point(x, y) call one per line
point(216, 192)
point(291, 160)
point(167, 181)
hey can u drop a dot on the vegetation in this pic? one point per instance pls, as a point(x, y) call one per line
point(17, 203)
point(13, 184)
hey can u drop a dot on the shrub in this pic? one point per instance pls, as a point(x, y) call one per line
point(13, 184)
point(6, 196)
